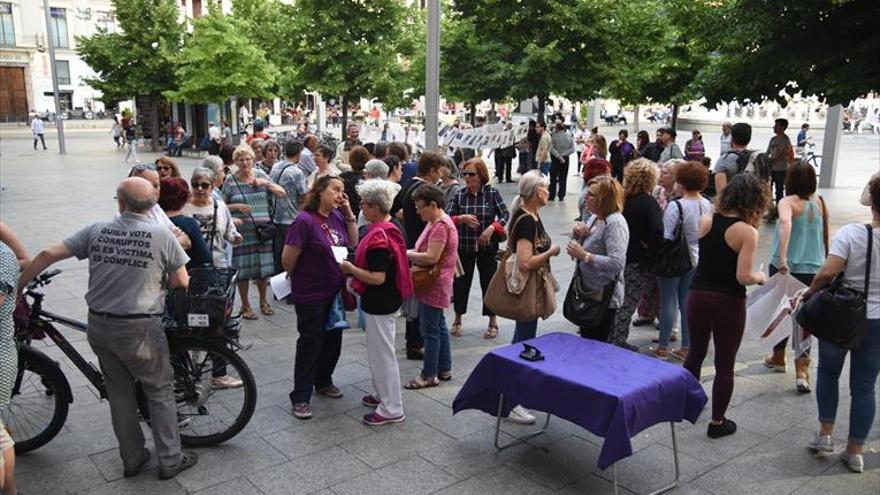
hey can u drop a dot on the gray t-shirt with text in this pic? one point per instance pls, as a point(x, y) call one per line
point(130, 258)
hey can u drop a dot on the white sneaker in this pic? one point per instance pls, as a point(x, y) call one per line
point(226, 381)
point(520, 416)
point(855, 462)
point(822, 443)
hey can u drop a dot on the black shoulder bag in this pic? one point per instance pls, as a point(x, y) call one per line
point(674, 256)
point(837, 313)
point(585, 307)
point(265, 231)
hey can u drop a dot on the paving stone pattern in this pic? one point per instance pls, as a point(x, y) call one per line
point(47, 197)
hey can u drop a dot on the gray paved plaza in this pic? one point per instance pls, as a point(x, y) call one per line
point(47, 196)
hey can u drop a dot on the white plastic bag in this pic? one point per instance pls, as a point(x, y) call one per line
point(768, 309)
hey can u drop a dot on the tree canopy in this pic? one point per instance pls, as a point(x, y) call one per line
point(141, 57)
point(219, 60)
point(825, 47)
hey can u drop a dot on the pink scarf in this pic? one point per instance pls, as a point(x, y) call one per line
point(384, 235)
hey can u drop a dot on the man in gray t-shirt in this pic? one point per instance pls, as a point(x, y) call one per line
point(727, 167)
point(131, 262)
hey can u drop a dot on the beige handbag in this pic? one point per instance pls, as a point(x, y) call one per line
point(537, 296)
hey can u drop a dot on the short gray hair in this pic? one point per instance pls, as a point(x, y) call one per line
point(671, 163)
point(204, 173)
point(378, 192)
point(213, 163)
point(529, 183)
point(376, 169)
point(135, 204)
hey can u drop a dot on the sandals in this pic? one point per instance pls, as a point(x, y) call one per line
point(248, 313)
point(659, 352)
point(456, 330)
point(420, 383)
point(444, 376)
point(266, 309)
point(491, 332)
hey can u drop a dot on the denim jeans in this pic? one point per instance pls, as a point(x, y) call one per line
point(673, 295)
point(438, 356)
point(864, 366)
point(524, 330)
point(545, 168)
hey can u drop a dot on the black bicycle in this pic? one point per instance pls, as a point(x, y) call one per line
point(204, 356)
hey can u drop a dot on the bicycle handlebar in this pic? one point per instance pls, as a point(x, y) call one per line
point(43, 279)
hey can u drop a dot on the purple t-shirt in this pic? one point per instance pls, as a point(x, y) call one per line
point(316, 278)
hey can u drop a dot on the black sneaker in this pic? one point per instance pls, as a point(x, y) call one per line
point(136, 470)
point(727, 427)
point(188, 459)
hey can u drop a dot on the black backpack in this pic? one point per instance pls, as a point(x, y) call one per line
point(674, 256)
point(753, 162)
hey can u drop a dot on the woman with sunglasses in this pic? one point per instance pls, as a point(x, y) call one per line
point(215, 220)
point(480, 215)
point(173, 195)
point(248, 193)
point(694, 150)
point(166, 167)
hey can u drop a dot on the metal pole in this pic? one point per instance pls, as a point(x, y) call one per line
point(831, 147)
point(432, 76)
point(59, 123)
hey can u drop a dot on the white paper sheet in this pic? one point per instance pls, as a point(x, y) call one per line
point(280, 285)
point(340, 253)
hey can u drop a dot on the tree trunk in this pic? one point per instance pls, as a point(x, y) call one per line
point(344, 117)
point(542, 101)
point(674, 116)
point(154, 118)
point(473, 106)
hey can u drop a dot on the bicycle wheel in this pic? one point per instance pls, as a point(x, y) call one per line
point(208, 412)
point(40, 401)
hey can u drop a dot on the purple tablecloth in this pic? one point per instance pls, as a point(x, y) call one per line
point(612, 392)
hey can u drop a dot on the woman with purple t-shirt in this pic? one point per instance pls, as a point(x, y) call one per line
point(438, 243)
point(326, 221)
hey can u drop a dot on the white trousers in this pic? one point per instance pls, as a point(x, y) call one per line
point(381, 330)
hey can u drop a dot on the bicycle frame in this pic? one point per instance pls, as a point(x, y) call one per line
point(44, 321)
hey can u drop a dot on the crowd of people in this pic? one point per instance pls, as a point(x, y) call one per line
point(415, 230)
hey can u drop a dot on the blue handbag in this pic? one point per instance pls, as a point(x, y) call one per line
point(336, 318)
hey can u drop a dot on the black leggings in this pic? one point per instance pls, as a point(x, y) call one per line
point(721, 318)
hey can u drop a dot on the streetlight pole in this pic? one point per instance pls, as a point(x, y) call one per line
point(59, 123)
point(432, 76)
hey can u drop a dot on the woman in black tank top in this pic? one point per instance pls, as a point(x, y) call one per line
point(716, 304)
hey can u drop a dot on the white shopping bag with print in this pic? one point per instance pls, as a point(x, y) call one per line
point(768, 309)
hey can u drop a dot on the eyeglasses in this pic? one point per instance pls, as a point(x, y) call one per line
point(163, 167)
point(201, 185)
point(469, 174)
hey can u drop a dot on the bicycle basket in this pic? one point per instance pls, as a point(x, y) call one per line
point(206, 305)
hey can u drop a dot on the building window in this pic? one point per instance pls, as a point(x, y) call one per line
point(7, 28)
point(62, 70)
point(58, 28)
point(106, 20)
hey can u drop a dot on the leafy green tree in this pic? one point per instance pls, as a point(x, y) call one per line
point(825, 47)
point(139, 59)
point(219, 60)
point(342, 47)
point(472, 69)
point(659, 51)
point(551, 46)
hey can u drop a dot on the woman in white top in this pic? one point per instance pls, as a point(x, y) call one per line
point(848, 255)
point(212, 215)
point(690, 178)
